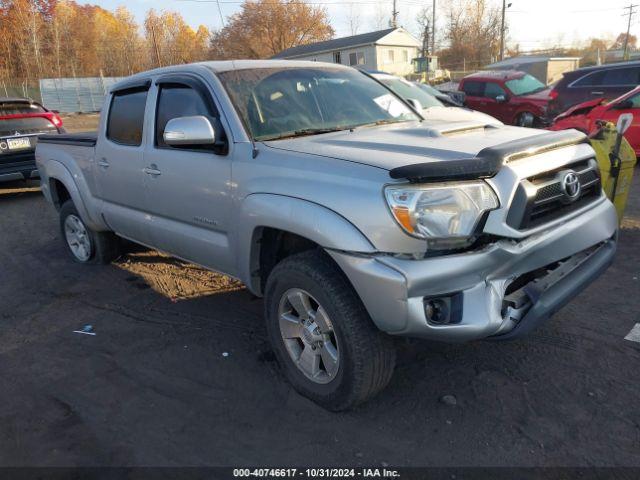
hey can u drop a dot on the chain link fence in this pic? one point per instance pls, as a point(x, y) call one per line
point(66, 95)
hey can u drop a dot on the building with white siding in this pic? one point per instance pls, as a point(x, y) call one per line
point(390, 50)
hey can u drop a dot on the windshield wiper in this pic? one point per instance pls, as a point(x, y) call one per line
point(303, 132)
point(387, 121)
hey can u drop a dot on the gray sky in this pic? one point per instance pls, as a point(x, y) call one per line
point(534, 24)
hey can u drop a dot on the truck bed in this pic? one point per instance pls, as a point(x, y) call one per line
point(86, 139)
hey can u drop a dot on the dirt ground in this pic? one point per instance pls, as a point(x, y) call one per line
point(180, 372)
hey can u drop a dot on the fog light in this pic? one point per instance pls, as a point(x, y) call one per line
point(436, 310)
point(443, 310)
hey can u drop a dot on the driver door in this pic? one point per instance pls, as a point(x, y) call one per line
point(188, 187)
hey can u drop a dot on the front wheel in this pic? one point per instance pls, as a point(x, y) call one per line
point(323, 337)
point(526, 119)
point(83, 244)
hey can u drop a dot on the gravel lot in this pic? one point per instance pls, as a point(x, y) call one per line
point(154, 386)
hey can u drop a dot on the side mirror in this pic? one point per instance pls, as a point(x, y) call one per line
point(501, 99)
point(195, 130)
point(624, 122)
point(417, 106)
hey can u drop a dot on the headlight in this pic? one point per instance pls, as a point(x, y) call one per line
point(446, 214)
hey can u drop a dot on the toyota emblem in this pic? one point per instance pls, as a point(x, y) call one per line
point(571, 185)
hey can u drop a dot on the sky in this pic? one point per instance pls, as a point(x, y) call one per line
point(533, 24)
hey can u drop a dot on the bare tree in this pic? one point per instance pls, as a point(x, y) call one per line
point(473, 32)
point(263, 28)
point(353, 19)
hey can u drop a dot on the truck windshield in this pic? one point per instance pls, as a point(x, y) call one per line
point(278, 103)
point(408, 90)
point(525, 85)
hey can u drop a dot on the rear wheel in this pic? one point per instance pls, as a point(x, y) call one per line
point(323, 337)
point(83, 244)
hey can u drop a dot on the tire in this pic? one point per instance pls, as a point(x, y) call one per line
point(366, 356)
point(526, 119)
point(97, 247)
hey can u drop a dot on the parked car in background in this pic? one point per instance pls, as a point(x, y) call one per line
point(589, 83)
point(326, 194)
point(585, 116)
point(515, 98)
point(448, 99)
point(431, 107)
point(21, 121)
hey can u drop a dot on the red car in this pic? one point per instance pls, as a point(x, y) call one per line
point(21, 121)
point(584, 116)
point(515, 98)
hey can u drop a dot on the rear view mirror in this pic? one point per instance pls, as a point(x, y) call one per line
point(195, 130)
point(415, 104)
point(501, 99)
point(624, 122)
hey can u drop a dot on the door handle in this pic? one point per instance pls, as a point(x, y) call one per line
point(597, 93)
point(103, 163)
point(152, 170)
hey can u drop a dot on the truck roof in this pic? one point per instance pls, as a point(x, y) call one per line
point(225, 66)
point(495, 74)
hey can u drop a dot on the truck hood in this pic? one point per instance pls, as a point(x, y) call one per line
point(541, 97)
point(407, 143)
point(582, 108)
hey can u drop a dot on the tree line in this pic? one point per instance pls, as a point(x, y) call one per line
point(62, 38)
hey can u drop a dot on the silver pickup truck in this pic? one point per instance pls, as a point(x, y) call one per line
point(352, 215)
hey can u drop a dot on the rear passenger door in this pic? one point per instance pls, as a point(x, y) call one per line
point(188, 189)
point(119, 163)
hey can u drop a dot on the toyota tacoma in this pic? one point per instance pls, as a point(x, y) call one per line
point(352, 215)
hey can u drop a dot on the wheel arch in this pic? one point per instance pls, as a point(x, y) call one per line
point(273, 227)
point(62, 187)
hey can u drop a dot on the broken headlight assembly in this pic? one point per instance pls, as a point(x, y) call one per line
point(445, 214)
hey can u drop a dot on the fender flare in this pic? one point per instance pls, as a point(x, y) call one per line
point(307, 219)
point(56, 170)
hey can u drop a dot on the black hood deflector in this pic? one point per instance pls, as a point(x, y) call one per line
point(488, 161)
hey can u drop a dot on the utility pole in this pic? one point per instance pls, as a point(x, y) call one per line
point(504, 8)
point(425, 40)
point(433, 29)
point(394, 16)
point(626, 39)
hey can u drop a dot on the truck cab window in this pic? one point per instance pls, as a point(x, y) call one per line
point(126, 117)
point(178, 101)
point(493, 90)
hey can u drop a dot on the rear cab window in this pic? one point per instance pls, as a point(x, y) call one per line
point(126, 117)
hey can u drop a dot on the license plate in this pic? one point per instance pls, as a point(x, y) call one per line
point(18, 143)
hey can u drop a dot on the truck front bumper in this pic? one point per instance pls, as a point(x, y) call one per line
point(502, 290)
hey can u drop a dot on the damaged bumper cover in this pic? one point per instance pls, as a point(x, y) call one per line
point(503, 290)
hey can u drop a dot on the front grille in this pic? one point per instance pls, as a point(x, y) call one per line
point(540, 199)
